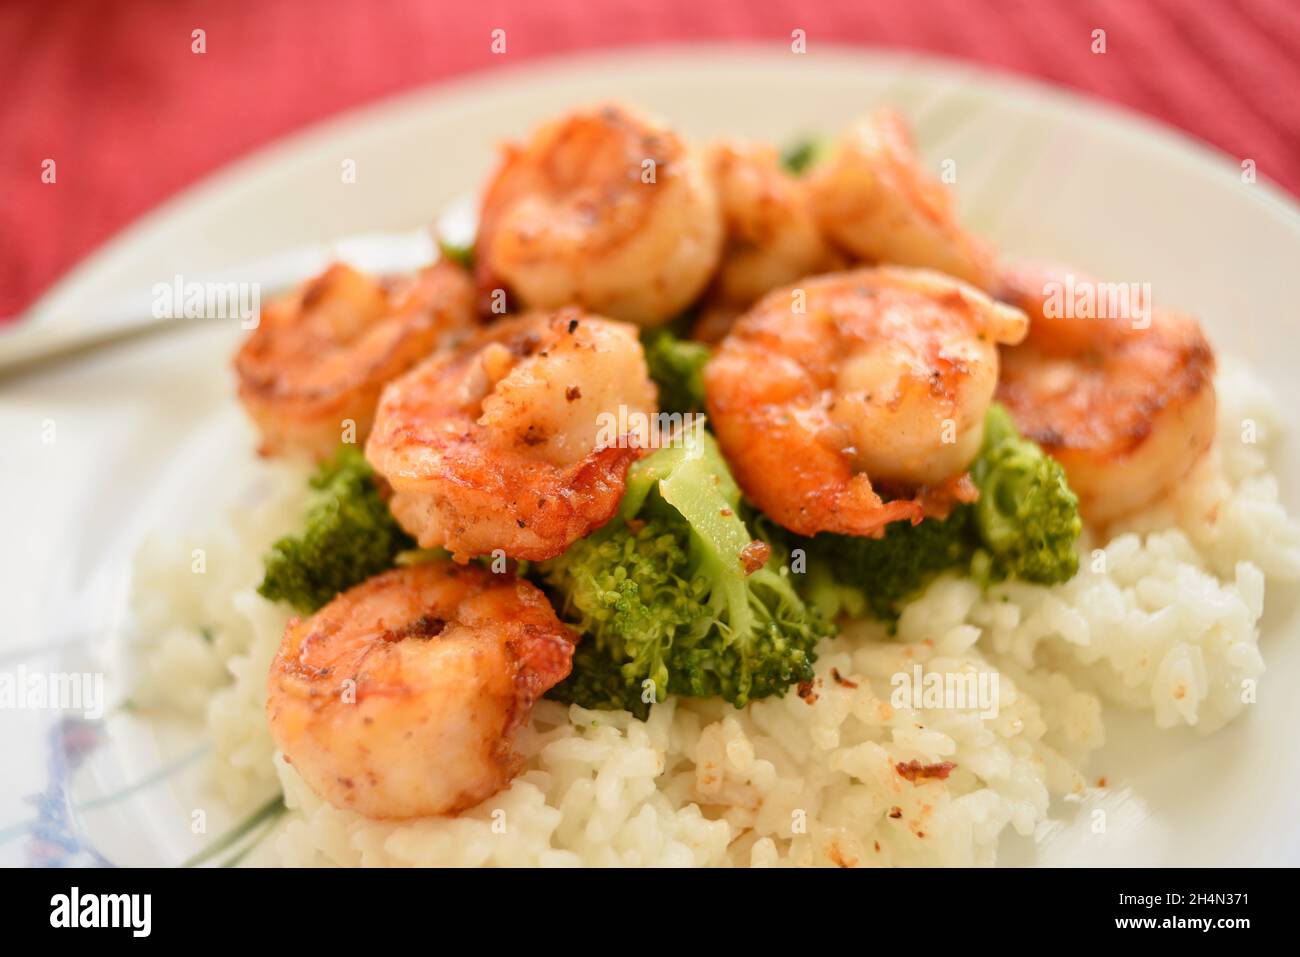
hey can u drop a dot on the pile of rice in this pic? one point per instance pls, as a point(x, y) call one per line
point(1162, 618)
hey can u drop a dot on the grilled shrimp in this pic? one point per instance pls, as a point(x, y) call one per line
point(516, 442)
point(401, 697)
point(1128, 411)
point(873, 198)
point(772, 237)
point(876, 375)
point(603, 208)
point(320, 357)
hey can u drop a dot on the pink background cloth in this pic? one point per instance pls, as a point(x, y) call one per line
point(111, 91)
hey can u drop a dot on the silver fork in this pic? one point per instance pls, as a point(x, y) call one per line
point(31, 346)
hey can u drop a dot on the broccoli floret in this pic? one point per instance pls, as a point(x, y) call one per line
point(461, 252)
point(803, 154)
point(1024, 526)
point(348, 535)
point(677, 367)
point(884, 572)
point(1027, 517)
point(665, 601)
point(597, 681)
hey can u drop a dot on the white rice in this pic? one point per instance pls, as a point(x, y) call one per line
point(1163, 618)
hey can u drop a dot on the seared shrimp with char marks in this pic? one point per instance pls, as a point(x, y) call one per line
point(1128, 411)
point(874, 199)
point(319, 358)
point(513, 442)
point(604, 208)
point(401, 697)
point(876, 375)
point(772, 237)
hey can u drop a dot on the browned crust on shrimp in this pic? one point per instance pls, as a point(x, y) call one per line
point(319, 358)
point(474, 488)
point(875, 199)
point(1126, 404)
point(772, 236)
point(605, 208)
point(774, 385)
point(1113, 431)
point(638, 142)
point(402, 697)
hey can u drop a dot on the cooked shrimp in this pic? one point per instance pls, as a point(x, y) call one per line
point(319, 358)
point(604, 208)
point(1128, 411)
point(517, 442)
point(772, 237)
point(877, 375)
point(401, 697)
point(873, 198)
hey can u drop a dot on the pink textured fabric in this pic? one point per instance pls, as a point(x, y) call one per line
point(112, 92)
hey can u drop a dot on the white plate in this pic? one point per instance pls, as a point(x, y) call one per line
point(148, 436)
